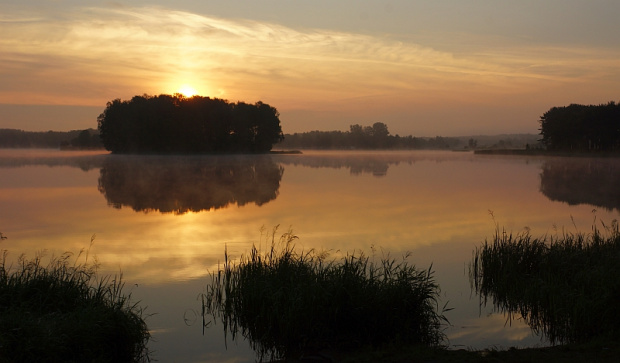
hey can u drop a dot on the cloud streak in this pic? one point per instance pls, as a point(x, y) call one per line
point(92, 55)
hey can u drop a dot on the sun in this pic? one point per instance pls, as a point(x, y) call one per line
point(187, 90)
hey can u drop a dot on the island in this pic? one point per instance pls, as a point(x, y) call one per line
point(175, 124)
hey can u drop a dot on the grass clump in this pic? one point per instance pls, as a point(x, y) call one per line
point(61, 312)
point(565, 287)
point(289, 303)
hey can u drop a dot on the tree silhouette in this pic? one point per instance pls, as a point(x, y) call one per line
point(582, 128)
point(177, 124)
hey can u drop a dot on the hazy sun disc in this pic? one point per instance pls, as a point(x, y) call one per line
point(187, 90)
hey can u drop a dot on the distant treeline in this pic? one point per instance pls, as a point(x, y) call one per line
point(86, 139)
point(377, 136)
point(12, 138)
point(177, 124)
point(89, 139)
point(582, 128)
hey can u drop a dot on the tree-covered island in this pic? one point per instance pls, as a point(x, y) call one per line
point(188, 125)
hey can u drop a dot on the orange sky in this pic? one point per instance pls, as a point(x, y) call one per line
point(425, 69)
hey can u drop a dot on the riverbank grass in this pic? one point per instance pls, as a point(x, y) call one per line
point(290, 303)
point(62, 312)
point(565, 287)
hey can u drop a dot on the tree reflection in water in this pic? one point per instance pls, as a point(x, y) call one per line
point(180, 184)
point(574, 181)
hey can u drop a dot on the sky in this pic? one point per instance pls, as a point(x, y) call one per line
point(424, 68)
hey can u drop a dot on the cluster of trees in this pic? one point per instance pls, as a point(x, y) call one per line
point(86, 139)
point(376, 136)
point(177, 124)
point(582, 128)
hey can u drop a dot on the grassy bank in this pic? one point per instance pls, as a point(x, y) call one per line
point(299, 307)
point(565, 287)
point(62, 312)
point(291, 303)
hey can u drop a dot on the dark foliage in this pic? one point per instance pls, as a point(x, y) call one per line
point(86, 139)
point(582, 128)
point(177, 124)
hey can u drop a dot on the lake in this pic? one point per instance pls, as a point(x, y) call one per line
point(164, 221)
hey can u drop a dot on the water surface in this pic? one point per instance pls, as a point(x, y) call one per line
point(164, 221)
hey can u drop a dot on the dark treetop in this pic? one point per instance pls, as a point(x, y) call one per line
point(177, 124)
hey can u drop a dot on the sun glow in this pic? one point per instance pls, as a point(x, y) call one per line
point(187, 90)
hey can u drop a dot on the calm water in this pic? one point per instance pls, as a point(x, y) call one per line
point(164, 221)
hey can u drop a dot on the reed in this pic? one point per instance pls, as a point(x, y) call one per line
point(566, 287)
point(288, 302)
point(62, 312)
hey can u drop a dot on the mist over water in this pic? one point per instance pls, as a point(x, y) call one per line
point(165, 221)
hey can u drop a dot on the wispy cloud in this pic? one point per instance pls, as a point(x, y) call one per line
point(91, 55)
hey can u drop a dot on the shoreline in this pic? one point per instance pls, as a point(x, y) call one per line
point(539, 152)
point(596, 351)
